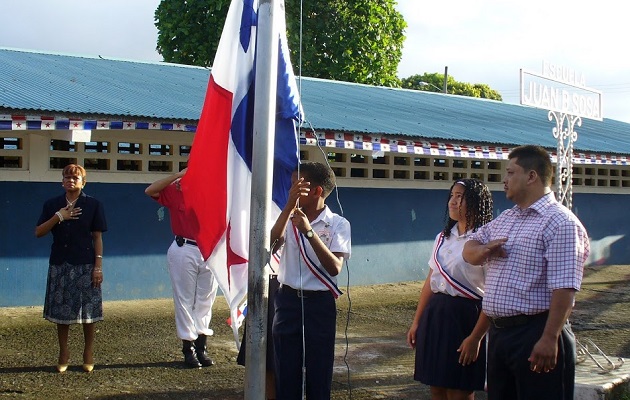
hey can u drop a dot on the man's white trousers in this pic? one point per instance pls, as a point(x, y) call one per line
point(194, 291)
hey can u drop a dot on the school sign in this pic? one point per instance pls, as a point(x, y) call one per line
point(562, 90)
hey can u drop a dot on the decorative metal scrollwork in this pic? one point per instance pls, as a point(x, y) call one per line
point(565, 135)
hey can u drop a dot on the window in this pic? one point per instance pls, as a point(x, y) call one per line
point(358, 173)
point(128, 165)
point(336, 157)
point(460, 164)
point(61, 162)
point(160, 150)
point(161, 166)
point(358, 159)
point(96, 163)
point(97, 147)
point(440, 162)
point(129, 148)
point(401, 160)
point(62, 145)
point(11, 143)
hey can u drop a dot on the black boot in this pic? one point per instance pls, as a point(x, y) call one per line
point(200, 348)
point(190, 357)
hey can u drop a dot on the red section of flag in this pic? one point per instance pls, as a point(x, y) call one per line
point(205, 182)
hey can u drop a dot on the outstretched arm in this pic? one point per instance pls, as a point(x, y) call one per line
point(476, 253)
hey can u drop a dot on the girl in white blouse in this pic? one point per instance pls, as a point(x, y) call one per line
point(448, 326)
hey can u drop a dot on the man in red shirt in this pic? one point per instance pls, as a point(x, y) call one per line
point(194, 286)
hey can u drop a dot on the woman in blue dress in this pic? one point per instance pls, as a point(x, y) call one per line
point(75, 271)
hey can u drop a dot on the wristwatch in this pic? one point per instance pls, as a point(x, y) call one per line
point(310, 233)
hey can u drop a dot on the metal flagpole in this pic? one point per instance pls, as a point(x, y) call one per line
point(262, 178)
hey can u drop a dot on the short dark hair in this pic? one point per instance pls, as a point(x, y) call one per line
point(534, 158)
point(319, 175)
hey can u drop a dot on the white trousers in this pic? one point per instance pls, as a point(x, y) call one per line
point(194, 291)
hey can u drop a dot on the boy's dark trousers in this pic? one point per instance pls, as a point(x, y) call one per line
point(320, 316)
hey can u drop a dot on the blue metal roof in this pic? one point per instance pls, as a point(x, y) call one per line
point(78, 86)
point(66, 84)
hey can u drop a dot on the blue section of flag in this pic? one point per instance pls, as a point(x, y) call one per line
point(249, 18)
point(90, 124)
point(286, 155)
point(243, 125)
point(34, 125)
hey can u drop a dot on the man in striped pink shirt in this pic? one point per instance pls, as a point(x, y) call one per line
point(535, 254)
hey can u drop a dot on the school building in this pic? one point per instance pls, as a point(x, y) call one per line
point(395, 153)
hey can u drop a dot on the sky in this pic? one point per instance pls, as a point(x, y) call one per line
point(479, 41)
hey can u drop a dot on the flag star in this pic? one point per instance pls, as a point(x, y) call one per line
point(154, 125)
point(232, 257)
point(18, 124)
point(128, 124)
point(47, 124)
point(76, 125)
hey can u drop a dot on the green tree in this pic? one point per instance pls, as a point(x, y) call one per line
point(434, 82)
point(350, 40)
point(189, 30)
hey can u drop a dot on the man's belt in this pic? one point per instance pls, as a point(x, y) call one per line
point(180, 240)
point(516, 320)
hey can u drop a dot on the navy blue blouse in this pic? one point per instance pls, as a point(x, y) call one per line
point(72, 239)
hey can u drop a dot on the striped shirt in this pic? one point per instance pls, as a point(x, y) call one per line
point(546, 250)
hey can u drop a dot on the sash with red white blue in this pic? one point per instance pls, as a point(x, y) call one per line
point(314, 267)
point(461, 288)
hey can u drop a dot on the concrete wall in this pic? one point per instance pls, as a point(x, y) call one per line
point(392, 234)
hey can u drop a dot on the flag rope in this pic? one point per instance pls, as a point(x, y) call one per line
point(301, 121)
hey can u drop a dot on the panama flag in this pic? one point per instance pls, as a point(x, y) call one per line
point(217, 185)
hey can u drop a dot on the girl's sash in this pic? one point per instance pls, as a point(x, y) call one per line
point(461, 288)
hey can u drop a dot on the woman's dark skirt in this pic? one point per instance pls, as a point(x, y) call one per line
point(444, 324)
point(70, 297)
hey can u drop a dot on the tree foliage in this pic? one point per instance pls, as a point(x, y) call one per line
point(189, 30)
point(349, 40)
point(434, 82)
